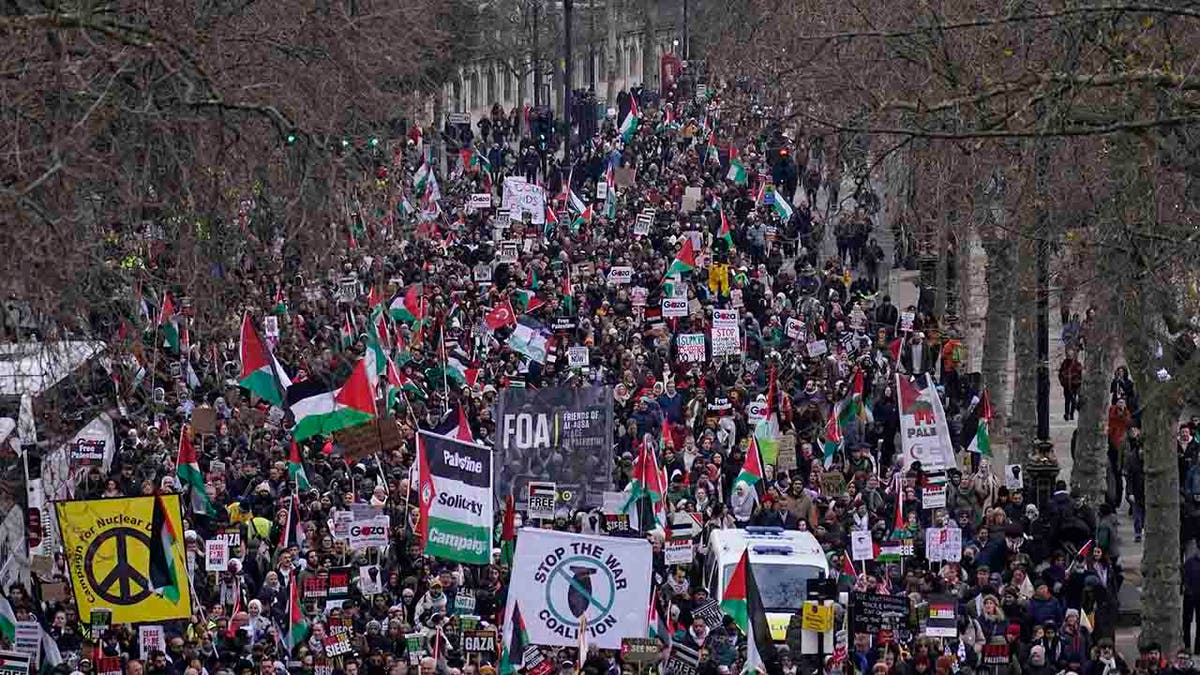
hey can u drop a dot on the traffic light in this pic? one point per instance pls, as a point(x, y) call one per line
point(290, 139)
point(373, 142)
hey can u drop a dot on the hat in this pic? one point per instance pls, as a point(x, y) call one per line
point(1072, 612)
point(1013, 629)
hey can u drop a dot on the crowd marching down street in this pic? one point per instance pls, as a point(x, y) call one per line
point(654, 410)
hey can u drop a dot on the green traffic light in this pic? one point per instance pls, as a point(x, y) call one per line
point(291, 139)
point(374, 142)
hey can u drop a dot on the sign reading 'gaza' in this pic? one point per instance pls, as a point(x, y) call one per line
point(572, 580)
point(455, 493)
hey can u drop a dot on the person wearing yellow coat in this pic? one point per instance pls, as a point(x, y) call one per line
point(718, 279)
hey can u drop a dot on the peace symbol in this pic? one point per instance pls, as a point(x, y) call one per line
point(123, 584)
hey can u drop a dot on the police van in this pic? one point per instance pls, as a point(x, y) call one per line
point(783, 562)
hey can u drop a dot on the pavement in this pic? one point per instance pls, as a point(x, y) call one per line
point(902, 285)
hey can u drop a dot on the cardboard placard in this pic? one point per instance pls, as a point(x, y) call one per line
point(364, 440)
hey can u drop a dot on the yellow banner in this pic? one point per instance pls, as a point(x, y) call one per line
point(108, 543)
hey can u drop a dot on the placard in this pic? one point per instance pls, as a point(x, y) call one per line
point(464, 601)
point(370, 533)
point(370, 582)
point(873, 612)
point(16, 663)
point(509, 251)
point(641, 226)
point(637, 296)
point(692, 197)
point(601, 191)
point(861, 546)
point(479, 641)
point(479, 200)
point(640, 651)
point(108, 665)
point(756, 411)
point(678, 551)
point(933, 496)
point(271, 326)
point(620, 275)
point(1014, 478)
point(943, 620)
point(943, 544)
point(817, 348)
point(683, 661)
point(709, 612)
point(577, 357)
point(28, 640)
point(216, 555)
point(818, 617)
point(151, 639)
point(232, 536)
point(336, 645)
point(906, 321)
point(482, 273)
point(795, 329)
point(690, 347)
point(833, 484)
point(726, 332)
point(338, 584)
point(204, 422)
point(341, 524)
point(674, 308)
point(543, 499)
point(523, 199)
point(88, 451)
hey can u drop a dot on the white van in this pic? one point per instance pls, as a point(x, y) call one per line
point(783, 561)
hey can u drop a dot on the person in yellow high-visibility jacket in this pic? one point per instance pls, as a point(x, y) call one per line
point(718, 279)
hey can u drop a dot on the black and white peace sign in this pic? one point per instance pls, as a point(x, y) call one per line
point(123, 584)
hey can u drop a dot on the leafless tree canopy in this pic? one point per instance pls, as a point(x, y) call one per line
point(170, 142)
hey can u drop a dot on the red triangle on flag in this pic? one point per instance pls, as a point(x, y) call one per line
point(356, 392)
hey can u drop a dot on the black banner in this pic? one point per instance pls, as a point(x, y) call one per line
point(561, 435)
point(873, 612)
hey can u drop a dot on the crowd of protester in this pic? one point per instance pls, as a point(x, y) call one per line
point(1037, 587)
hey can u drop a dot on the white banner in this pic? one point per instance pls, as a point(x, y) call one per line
point(567, 576)
point(924, 435)
point(943, 544)
point(521, 198)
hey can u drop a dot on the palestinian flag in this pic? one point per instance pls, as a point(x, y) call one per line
point(508, 533)
point(629, 126)
point(8, 621)
point(164, 576)
point(421, 178)
point(324, 412)
point(737, 171)
point(526, 301)
point(646, 482)
point(551, 217)
point(889, 551)
point(513, 657)
point(833, 436)
point(295, 469)
point(568, 293)
point(975, 430)
point(853, 408)
point(410, 307)
point(582, 211)
point(261, 373)
point(743, 602)
point(346, 332)
point(458, 371)
point(752, 469)
point(297, 624)
point(847, 574)
point(712, 154)
point(168, 322)
point(377, 339)
point(187, 469)
point(685, 260)
point(725, 234)
point(782, 208)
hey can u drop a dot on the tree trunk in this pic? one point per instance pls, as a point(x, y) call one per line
point(649, 40)
point(610, 54)
point(1090, 459)
point(1022, 425)
point(998, 326)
